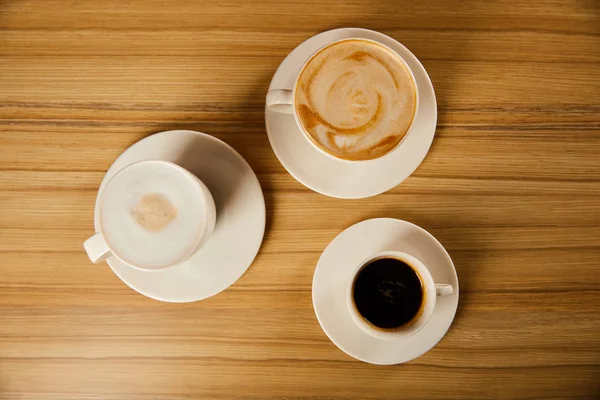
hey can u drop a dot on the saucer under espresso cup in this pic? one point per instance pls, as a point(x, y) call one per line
point(240, 217)
point(337, 269)
point(317, 169)
point(354, 100)
point(153, 215)
point(392, 296)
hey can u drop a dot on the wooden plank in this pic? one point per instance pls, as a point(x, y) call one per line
point(545, 154)
point(200, 81)
point(495, 271)
point(72, 210)
point(311, 16)
point(427, 44)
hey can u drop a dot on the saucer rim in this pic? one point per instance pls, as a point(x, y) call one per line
point(113, 169)
point(455, 295)
point(355, 33)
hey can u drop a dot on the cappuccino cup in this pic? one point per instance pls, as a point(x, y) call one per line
point(353, 100)
point(152, 215)
point(392, 295)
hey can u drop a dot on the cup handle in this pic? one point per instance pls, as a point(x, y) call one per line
point(280, 100)
point(96, 248)
point(443, 289)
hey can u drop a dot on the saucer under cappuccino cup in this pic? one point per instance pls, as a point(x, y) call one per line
point(354, 100)
point(392, 295)
point(152, 215)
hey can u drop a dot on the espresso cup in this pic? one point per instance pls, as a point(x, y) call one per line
point(353, 100)
point(152, 215)
point(393, 286)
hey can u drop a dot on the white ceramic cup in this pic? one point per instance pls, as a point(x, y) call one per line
point(283, 101)
point(430, 292)
point(197, 195)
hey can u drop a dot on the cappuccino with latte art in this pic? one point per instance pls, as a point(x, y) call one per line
point(355, 99)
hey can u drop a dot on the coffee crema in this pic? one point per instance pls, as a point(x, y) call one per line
point(355, 99)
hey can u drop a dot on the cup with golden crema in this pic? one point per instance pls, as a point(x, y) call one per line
point(153, 215)
point(354, 100)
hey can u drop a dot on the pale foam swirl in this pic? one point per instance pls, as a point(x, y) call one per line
point(356, 99)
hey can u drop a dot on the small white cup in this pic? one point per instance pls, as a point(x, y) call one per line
point(98, 248)
point(283, 101)
point(430, 292)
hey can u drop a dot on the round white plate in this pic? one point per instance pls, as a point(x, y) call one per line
point(240, 223)
point(334, 271)
point(340, 179)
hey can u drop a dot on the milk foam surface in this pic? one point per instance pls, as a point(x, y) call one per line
point(356, 99)
point(152, 215)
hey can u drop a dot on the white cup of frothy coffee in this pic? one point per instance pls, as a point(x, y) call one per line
point(353, 100)
point(152, 215)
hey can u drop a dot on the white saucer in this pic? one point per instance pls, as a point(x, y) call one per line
point(240, 223)
point(334, 271)
point(349, 180)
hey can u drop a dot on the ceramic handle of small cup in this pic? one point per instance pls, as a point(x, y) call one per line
point(443, 289)
point(280, 100)
point(96, 248)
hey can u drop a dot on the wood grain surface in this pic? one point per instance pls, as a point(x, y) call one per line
point(511, 187)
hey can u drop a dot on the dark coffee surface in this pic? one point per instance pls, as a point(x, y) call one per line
point(388, 293)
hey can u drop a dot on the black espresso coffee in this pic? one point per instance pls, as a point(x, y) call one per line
point(388, 293)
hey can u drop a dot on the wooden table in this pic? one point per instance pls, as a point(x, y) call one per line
point(511, 187)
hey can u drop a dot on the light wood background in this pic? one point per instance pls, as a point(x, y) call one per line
point(511, 187)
